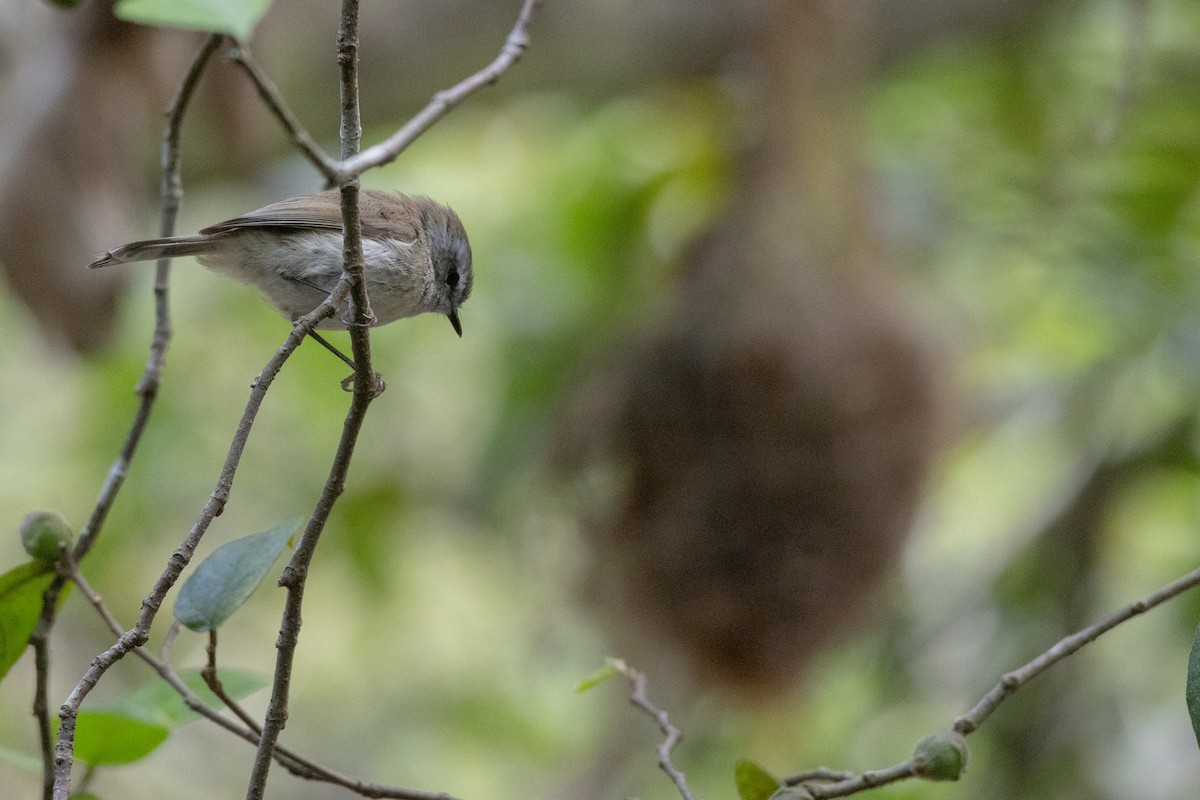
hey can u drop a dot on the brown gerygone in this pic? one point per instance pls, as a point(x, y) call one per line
point(416, 253)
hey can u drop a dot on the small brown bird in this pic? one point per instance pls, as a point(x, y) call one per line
point(416, 253)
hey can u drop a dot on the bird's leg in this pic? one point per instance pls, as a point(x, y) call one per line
point(321, 341)
point(348, 381)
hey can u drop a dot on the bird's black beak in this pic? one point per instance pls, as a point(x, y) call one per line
point(453, 317)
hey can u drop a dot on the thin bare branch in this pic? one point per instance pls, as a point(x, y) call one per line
point(274, 102)
point(859, 783)
point(819, 775)
point(366, 388)
point(638, 697)
point(1012, 681)
point(289, 760)
point(1009, 683)
point(442, 102)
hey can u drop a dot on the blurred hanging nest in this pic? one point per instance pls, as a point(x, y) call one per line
point(764, 444)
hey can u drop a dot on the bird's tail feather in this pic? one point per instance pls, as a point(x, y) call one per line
point(150, 249)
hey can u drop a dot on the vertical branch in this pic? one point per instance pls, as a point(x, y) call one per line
point(347, 59)
point(147, 390)
point(366, 388)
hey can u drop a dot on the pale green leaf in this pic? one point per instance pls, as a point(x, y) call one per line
point(111, 737)
point(753, 782)
point(21, 590)
point(1193, 685)
point(224, 580)
point(234, 17)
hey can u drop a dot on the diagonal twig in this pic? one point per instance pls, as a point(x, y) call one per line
point(442, 102)
point(269, 94)
point(1010, 682)
point(288, 759)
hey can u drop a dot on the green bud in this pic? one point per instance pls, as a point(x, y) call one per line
point(43, 533)
point(941, 757)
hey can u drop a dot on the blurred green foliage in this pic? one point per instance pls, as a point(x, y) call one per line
point(1047, 222)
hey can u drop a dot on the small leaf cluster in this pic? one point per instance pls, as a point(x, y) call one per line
point(131, 727)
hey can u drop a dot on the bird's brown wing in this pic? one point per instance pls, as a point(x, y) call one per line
point(381, 217)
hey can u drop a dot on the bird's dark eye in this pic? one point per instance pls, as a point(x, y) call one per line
point(452, 278)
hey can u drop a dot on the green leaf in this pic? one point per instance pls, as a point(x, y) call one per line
point(159, 704)
point(111, 737)
point(596, 678)
point(234, 17)
point(753, 782)
point(1193, 685)
point(224, 580)
point(43, 533)
point(21, 591)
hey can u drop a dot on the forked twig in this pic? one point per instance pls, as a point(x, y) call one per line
point(442, 102)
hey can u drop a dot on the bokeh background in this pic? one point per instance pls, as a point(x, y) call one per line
point(824, 362)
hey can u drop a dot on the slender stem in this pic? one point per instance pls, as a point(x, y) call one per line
point(140, 632)
point(442, 102)
point(867, 780)
point(820, 775)
point(1012, 681)
point(638, 697)
point(274, 101)
point(292, 762)
point(213, 681)
point(1009, 684)
point(41, 703)
point(366, 388)
point(347, 59)
point(57, 768)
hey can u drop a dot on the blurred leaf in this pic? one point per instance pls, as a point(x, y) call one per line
point(224, 580)
point(235, 17)
point(43, 533)
point(21, 591)
point(753, 782)
point(159, 704)
point(22, 760)
point(1193, 685)
point(111, 737)
point(596, 678)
